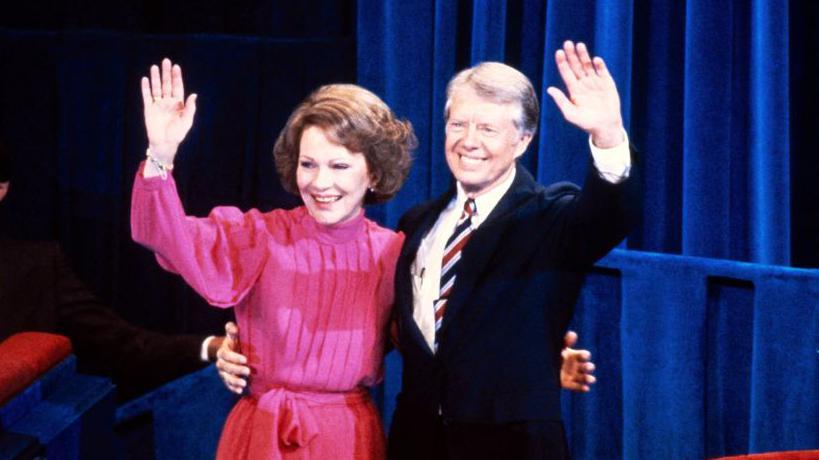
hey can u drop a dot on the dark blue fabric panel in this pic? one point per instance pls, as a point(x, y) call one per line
point(396, 61)
point(186, 415)
point(488, 30)
point(444, 65)
point(657, 121)
point(707, 129)
point(595, 419)
point(524, 50)
point(735, 112)
point(718, 357)
point(70, 414)
point(769, 143)
point(662, 332)
point(730, 318)
point(785, 381)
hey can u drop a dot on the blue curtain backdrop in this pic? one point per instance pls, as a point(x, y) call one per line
point(704, 89)
point(720, 97)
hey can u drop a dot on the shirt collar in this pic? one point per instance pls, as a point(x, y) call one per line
point(485, 202)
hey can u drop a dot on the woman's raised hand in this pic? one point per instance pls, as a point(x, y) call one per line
point(168, 116)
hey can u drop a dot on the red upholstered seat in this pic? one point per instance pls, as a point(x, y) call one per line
point(785, 455)
point(26, 356)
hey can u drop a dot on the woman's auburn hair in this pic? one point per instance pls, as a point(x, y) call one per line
point(360, 121)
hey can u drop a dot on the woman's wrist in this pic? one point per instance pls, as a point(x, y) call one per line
point(163, 152)
point(155, 166)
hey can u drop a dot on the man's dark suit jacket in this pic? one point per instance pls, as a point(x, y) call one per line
point(39, 292)
point(498, 358)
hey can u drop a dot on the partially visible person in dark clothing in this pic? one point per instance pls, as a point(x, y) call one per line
point(40, 292)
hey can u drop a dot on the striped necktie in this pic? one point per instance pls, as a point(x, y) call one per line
point(452, 254)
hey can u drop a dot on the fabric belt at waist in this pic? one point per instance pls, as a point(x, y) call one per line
point(294, 422)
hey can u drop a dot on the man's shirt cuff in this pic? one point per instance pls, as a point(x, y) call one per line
point(613, 164)
point(203, 353)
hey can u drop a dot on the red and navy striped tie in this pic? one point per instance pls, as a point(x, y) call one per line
point(452, 254)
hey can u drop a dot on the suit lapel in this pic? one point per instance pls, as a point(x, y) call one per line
point(403, 286)
point(478, 253)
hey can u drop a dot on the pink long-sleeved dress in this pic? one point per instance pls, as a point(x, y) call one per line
point(312, 303)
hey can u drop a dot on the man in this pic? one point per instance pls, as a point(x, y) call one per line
point(39, 292)
point(489, 273)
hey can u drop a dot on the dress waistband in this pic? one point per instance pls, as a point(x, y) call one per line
point(311, 397)
point(294, 422)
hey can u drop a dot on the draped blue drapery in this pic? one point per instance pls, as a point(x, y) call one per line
point(697, 358)
point(704, 97)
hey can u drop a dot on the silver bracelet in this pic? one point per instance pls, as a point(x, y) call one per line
point(159, 165)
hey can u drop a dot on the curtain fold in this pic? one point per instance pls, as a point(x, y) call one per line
point(769, 141)
point(488, 31)
point(711, 109)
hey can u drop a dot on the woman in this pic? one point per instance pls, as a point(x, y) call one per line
point(312, 287)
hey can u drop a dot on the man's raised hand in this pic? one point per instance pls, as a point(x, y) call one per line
point(593, 103)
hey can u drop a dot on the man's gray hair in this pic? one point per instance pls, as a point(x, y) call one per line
point(501, 84)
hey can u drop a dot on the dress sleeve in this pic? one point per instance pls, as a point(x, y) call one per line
point(219, 256)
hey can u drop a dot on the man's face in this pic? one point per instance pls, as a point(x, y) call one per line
point(482, 141)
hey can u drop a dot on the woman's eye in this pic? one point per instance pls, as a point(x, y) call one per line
point(341, 166)
point(306, 164)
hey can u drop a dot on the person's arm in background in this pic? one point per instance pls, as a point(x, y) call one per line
point(135, 358)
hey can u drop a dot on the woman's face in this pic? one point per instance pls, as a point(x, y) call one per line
point(332, 180)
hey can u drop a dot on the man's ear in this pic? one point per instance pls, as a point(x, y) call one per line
point(523, 144)
point(4, 188)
